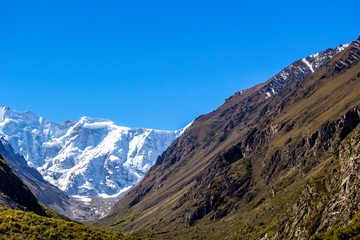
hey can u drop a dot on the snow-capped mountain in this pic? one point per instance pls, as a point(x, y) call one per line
point(89, 157)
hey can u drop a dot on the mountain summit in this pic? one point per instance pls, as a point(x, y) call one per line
point(276, 161)
point(88, 157)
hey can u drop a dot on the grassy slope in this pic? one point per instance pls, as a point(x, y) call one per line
point(17, 224)
point(23, 217)
point(350, 232)
point(14, 193)
point(325, 97)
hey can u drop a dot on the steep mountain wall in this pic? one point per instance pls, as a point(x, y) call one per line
point(239, 171)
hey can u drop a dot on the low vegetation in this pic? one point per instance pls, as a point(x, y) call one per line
point(350, 232)
point(17, 224)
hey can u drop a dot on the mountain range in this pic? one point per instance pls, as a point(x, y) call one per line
point(88, 157)
point(280, 160)
point(23, 217)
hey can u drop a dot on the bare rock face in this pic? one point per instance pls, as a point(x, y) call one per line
point(333, 199)
point(346, 203)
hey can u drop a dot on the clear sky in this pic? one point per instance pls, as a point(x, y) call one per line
point(155, 64)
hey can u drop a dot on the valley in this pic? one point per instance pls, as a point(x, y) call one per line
point(87, 163)
point(279, 160)
point(267, 164)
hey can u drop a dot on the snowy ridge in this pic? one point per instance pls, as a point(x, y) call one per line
point(299, 70)
point(308, 65)
point(89, 157)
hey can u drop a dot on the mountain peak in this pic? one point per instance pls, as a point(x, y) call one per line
point(86, 119)
point(299, 70)
point(3, 111)
point(88, 157)
point(17, 117)
point(261, 166)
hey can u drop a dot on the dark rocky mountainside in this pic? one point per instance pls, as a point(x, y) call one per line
point(23, 217)
point(14, 193)
point(45, 192)
point(279, 160)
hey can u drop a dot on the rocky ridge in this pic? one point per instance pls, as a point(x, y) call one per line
point(239, 170)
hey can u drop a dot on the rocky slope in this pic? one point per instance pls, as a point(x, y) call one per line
point(14, 193)
point(89, 157)
point(249, 169)
point(331, 200)
point(23, 217)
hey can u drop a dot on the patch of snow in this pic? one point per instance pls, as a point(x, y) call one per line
point(308, 64)
point(268, 94)
point(273, 91)
point(316, 55)
point(115, 195)
point(343, 47)
point(181, 132)
point(82, 198)
point(343, 63)
point(284, 75)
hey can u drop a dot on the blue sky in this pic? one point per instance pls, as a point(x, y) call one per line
point(155, 64)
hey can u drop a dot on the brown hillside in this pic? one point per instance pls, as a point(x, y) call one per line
point(249, 168)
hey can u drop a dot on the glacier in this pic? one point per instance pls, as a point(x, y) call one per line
point(88, 157)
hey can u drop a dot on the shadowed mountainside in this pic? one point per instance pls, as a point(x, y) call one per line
point(23, 217)
point(14, 193)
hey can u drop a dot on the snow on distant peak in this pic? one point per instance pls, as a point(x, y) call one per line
point(181, 131)
point(88, 157)
point(3, 112)
point(343, 47)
